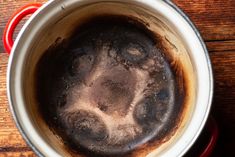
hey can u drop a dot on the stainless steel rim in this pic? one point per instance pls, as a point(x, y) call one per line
point(175, 7)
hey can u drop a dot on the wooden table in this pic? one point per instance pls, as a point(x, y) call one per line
point(215, 19)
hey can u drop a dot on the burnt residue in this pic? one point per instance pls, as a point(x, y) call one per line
point(110, 89)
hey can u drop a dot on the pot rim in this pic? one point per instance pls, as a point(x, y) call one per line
point(12, 64)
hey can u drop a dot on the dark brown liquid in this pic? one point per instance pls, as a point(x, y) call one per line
point(109, 89)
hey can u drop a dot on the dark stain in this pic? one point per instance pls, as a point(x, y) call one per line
point(69, 63)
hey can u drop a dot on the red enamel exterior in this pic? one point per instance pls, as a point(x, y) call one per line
point(13, 22)
point(213, 130)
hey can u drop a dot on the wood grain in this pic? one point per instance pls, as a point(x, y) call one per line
point(224, 100)
point(214, 46)
point(18, 154)
point(215, 19)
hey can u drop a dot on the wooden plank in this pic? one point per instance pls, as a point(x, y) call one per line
point(215, 19)
point(224, 97)
point(214, 46)
point(18, 154)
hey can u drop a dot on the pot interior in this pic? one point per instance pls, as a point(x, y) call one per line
point(67, 17)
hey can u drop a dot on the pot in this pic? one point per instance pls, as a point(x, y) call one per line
point(57, 19)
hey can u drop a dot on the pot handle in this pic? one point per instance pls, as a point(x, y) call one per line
point(14, 21)
point(213, 130)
